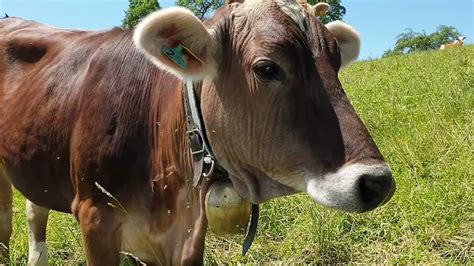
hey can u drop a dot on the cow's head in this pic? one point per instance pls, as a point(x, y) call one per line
point(275, 112)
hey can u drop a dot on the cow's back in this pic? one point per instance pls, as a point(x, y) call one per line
point(74, 107)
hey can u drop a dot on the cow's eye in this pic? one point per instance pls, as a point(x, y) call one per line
point(266, 70)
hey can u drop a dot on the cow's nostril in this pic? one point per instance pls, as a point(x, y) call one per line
point(375, 189)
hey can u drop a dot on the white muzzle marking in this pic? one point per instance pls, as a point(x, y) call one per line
point(341, 190)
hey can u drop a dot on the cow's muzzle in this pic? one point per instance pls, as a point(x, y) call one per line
point(353, 188)
point(375, 189)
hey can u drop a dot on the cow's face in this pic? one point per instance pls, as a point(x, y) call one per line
point(275, 112)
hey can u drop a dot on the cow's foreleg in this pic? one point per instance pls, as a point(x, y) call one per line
point(100, 226)
point(37, 221)
point(6, 197)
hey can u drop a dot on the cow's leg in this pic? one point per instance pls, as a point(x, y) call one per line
point(100, 227)
point(37, 221)
point(6, 198)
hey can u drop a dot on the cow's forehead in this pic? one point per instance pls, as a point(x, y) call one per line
point(258, 8)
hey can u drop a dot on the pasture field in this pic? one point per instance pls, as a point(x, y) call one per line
point(420, 111)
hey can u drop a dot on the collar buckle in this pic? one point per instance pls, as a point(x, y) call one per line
point(197, 141)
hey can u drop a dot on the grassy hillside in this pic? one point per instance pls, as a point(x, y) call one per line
point(420, 110)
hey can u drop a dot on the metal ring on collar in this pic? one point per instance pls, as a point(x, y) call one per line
point(211, 161)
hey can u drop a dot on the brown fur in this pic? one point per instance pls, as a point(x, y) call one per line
point(81, 111)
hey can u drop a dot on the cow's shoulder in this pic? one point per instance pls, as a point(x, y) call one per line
point(26, 42)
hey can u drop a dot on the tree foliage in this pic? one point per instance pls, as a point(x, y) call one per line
point(336, 11)
point(411, 41)
point(201, 8)
point(137, 10)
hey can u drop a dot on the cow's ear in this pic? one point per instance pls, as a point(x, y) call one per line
point(177, 41)
point(321, 9)
point(348, 40)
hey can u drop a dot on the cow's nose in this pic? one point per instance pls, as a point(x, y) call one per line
point(375, 189)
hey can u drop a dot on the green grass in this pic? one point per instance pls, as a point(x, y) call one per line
point(419, 109)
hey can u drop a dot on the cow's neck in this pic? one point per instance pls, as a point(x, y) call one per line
point(178, 201)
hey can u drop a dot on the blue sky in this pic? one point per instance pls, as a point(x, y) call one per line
point(378, 21)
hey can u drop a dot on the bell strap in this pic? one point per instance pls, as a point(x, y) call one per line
point(203, 158)
point(252, 229)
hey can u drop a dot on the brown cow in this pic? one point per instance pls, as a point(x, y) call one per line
point(88, 125)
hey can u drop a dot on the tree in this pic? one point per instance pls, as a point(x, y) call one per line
point(336, 11)
point(445, 34)
point(411, 42)
point(137, 10)
point(201, 8)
